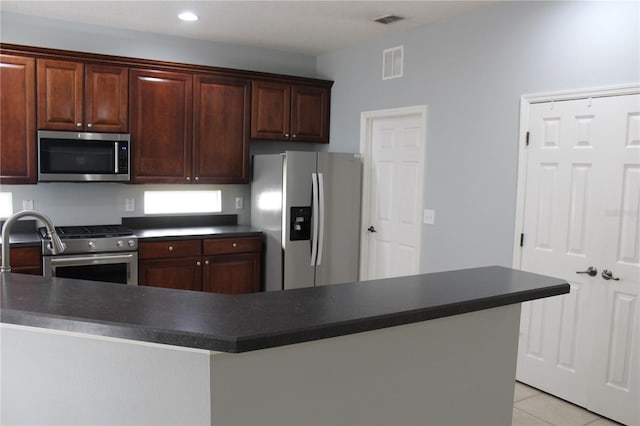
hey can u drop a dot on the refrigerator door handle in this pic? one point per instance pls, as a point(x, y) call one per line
point(315, 216)
point(321, 219)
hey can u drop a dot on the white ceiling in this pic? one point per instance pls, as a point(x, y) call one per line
point(305, 27)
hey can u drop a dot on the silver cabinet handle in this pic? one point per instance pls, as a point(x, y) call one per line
point(206, 262)
point(234, 244)
point(591, 271)
point(197, 178)
point(608, 275)
point(294, 136)
point(198, 263)
point(188, 177)
point(89, 125)
point(170, 248)
point(286, 135)
point(78, 124)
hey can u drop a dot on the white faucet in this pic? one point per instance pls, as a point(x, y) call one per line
point(56, 243)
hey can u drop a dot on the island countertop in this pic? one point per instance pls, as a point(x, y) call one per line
point(240, 323)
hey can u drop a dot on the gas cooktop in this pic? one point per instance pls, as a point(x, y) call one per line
point(91, 231)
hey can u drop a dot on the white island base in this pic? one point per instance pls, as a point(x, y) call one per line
point(457, 370)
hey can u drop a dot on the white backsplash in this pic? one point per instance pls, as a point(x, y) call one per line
point(105, 203)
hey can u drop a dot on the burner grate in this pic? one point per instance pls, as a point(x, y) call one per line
point(92, 231)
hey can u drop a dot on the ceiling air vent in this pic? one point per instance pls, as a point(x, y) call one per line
point(388, 19)
point(392, 62)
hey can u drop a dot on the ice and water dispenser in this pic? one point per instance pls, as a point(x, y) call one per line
point(300, 224)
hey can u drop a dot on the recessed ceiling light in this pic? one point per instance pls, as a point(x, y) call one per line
point(188, 16)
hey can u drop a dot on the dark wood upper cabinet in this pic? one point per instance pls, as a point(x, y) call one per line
point(60, 95)
point(188, 123)
point(290, 112)
point(72, 97)
point(221, 130)
point(309, 114)
point(17, 119)
point(106, 98)
point(161, 126)
point(270, 110)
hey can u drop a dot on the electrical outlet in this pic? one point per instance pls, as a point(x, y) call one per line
point(239, 202)
point(27, 204)
point(429, 216)
point(130, 204)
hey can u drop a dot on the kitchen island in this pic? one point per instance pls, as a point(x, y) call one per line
point(427, 349)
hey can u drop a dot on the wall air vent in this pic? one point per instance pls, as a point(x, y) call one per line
point(388, 19)
point(392, 62)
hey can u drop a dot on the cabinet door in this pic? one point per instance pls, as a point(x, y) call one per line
point(310, 114)
point(60, 94)
point(270, 110)
point(161, 114)
point(17, 120)
point(106, 99)
point(232, 273)
point(25, 260)
point(221, 130)
point(182, 273)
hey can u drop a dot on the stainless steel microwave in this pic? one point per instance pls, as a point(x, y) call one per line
point(83, 157)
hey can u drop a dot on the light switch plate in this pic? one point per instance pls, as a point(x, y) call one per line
point(27, 204)
point(239, 202)
point(429, 216)
point(130, 204)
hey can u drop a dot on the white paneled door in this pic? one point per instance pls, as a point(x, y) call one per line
point(581, 223)
point(394, 178)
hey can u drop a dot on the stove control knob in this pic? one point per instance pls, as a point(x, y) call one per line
point(92, 244)
point(131, 243)
point(120, 243)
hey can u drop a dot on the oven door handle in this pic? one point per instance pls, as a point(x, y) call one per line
point(92, 260)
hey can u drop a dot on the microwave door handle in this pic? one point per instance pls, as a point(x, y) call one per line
point(115, 157)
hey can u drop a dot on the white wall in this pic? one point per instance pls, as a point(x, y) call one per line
point(100, 203)
point(471, 71)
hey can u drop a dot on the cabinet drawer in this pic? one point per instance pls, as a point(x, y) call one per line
point(232, 245)
point(168, 249)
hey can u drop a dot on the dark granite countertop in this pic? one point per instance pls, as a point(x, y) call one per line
point(185, 227)
point(239, 323)
point(24, 234)
point(24, 239)
point(197, 232)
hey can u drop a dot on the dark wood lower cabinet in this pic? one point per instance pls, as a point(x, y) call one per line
point(217, 265)
point(182, 274)
point(26, 260)
point(232, 273)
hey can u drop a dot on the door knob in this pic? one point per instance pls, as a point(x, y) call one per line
point(371, 229)
point(591, 271)
point(608, 275)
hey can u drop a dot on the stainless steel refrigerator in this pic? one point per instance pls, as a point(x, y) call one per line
point(308, 204)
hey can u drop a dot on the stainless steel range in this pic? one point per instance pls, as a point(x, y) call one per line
point(107, 253)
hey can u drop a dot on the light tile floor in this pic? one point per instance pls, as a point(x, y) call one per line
point(532, 407)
